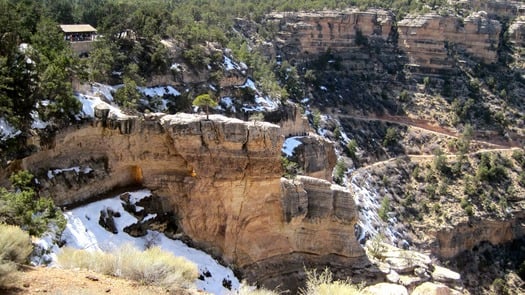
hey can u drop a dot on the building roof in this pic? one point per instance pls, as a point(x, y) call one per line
point(81, 28)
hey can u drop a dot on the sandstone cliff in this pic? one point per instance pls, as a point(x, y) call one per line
point(430, 40)
point(311, 34)
point(316, 156)
point(221, 178)
point(451, 242)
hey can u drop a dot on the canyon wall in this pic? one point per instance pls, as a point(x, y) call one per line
point(309, 34)
point(432, 40)
point(429, 41)
point(222, 180)
point(451, 242)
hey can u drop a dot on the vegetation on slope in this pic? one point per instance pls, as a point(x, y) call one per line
point(22, 206)
point(15, 247)
point(152, 266)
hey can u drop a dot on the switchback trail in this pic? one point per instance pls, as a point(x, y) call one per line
point(486, 137)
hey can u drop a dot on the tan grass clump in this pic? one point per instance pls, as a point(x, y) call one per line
point(250, 290)
point(151, 267)
point(323, 284)
point(15, 247)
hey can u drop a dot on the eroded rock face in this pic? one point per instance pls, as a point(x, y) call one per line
point(310, 34)
point(316, 156)
point(517, 32)
point(222, 179)
point(463, 237)
point(430, 40)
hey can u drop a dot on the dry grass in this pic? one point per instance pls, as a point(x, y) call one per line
point(323, 284)
point(15, 247)
point(249, 290)
point(151, 267)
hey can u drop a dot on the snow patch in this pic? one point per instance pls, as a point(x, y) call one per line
point(7, 131)
point(84, 232)
point(290, 144)
point(52, 173)
point(368, 200)
point(159, 91)
point(37, 122)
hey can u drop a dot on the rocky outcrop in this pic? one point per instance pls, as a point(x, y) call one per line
point(410, 271)
point(315, 156)
point(292, 123)
point(221, 178)
point(451, 242)
point(386, 289)
point(501, 8)
point(308, 34)
point(318, 229)
point(431, 40)
point(429, 288)
point(312, 198)
point(516, 32)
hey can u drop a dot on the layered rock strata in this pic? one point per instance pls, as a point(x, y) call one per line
point(220, 177)
point(315, 156)
point(313, 33)
point(431, 40)
point(451, 242)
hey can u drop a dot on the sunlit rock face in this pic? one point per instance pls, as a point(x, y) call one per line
point(432, 40)
point(308, 34)
point(220, 177)
point(451, 242)
point(429, 42)
point(316, 156)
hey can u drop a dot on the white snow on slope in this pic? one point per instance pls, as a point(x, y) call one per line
point(89, 102)
point(77, 169)
point(262, 103)
point(7, 130)
point(368, 201)
point(290, 144)
point(159, 91)
point(230, 65)
point(84, 232)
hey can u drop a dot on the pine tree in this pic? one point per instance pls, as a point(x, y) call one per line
point(205, 100)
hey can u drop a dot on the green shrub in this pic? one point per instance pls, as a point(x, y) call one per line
point(23, 207)
point(469, 210)
point(521, 270)
point(384, 209)
point(390, 137)
point(521, 179)
point(324, 284)
point(151, 267)
point(403, 96)
point(519, 156)
point(499, 286)
point(15, 247)
point(316, 119)
point(339, 172)
point(290, 168)
point(491, 169)
point(351, 146)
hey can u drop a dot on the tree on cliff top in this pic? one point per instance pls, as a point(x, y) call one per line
point(205, 100)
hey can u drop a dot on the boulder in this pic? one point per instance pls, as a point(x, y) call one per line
point(429, 288)
point(385, 289)
point(445, 275)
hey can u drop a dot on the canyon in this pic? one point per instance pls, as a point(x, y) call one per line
point(429, 41)
point(222, 180)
